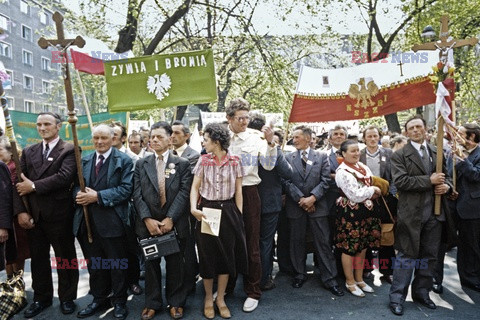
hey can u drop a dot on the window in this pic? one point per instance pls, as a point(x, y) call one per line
point(27, 57)
point(10, 103)
point(12, 80)
point(26, 33)
point(47, 107)
point(62, 110)
point(5, 49)
point(45, 64)
point(28, 82)
point(28, 106)
point(4, 22)
point(24, 7)
point(46, 87)
point(43, 17)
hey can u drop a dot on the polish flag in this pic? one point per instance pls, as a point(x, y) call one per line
point(90, 58)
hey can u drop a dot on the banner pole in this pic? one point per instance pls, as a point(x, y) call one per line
point(85, 103)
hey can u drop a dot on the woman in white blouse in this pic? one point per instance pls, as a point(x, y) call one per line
point(357, 223)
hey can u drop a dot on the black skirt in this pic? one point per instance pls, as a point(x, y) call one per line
point(227, 253)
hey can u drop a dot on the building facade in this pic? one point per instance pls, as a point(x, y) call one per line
point(35, 73)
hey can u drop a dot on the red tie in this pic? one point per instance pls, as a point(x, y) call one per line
point(99, 165)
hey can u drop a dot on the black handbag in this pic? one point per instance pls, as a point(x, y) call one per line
point(160, 246)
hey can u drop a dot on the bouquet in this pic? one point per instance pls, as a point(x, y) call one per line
point(441, 72)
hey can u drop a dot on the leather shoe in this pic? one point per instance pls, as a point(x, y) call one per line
point(336, 291)
point(148, 314)
point(396, 308)
point(208, 312)
point(120, 311)
point(35, 308)
point(298, 283)
point(68, 307)
point(176, 312)
point(136, 289)
point(437, 288)
point(269, 285)
point(475, 287)
point(387, 278)
point(426, 302)
point(91, 309)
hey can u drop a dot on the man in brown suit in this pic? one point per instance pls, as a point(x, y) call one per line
point(48, 172)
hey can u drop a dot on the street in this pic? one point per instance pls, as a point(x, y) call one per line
point(311, 301)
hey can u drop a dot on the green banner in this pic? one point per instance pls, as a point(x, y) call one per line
point(25, 128)
point(160, 81)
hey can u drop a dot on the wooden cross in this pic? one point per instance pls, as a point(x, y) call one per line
point(401, 70)
point(444, 45)
point(63, 44)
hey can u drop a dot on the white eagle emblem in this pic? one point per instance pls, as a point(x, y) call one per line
point(159, 85)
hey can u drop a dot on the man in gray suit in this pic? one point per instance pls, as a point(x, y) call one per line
point(468, 202)
point(306, 205)
point(418, 230)
point(161, 195)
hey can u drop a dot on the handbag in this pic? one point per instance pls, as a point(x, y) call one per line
point(388, 235)
point(160, 246)
point(12, 296)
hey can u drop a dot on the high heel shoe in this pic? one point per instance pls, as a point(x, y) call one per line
point(355, 290)
point(224, 311)
point(365, 287)
point(208, 312)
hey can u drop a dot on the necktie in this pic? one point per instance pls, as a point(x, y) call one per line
point(161, 180)
point(45, 152)
point(426, 161)
point(99, 164)
point(304, 159)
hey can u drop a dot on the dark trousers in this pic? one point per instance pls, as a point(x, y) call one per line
point(385, 255)
point(321, 242)
point(60, 236)
point(106, 278)
point(133, 271)
point(429, 242)
point(283, 244)
point(251, 218)
point(175, 289)
point(268, 226)
point(191, 261)
point(468, 255)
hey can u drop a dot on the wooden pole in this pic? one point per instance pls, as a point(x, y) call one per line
point(85, 103)
point(13, 143)
point(63, 44)
point(439, 163)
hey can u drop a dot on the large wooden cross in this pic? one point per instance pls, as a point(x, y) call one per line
point(63, 44)
point(444, 45)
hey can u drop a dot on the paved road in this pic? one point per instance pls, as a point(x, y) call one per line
point(309, 302)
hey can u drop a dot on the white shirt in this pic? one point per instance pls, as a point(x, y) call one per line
point(253, 151)
point(51, 145)
point(165, 157)
point(181, 149)
point(105, 156)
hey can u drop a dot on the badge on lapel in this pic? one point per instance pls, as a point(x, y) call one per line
point(49, 159)
point(170, 170)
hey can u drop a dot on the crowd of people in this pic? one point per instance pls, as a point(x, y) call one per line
point(331, 202)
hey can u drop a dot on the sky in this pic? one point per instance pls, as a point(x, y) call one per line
point(266, 22)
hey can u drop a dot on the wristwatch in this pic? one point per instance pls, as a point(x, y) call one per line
point(33, 187)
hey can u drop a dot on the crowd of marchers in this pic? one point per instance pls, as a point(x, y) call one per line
point(334, 201)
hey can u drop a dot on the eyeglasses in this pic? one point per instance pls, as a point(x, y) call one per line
point(241, 119)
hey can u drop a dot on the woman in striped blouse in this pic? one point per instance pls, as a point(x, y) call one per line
point(218, 184)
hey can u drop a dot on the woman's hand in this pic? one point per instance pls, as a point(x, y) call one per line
point(197, 214)
point(377, 193)
point(3, 235)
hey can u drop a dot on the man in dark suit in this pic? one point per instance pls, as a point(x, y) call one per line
point(109, 184)
point(180, 139)
point(418, 231)
point(161, 197)
point(306, 205)
point(468, 202)
point(48, 173)
point(377, 159)
point(6, 206)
